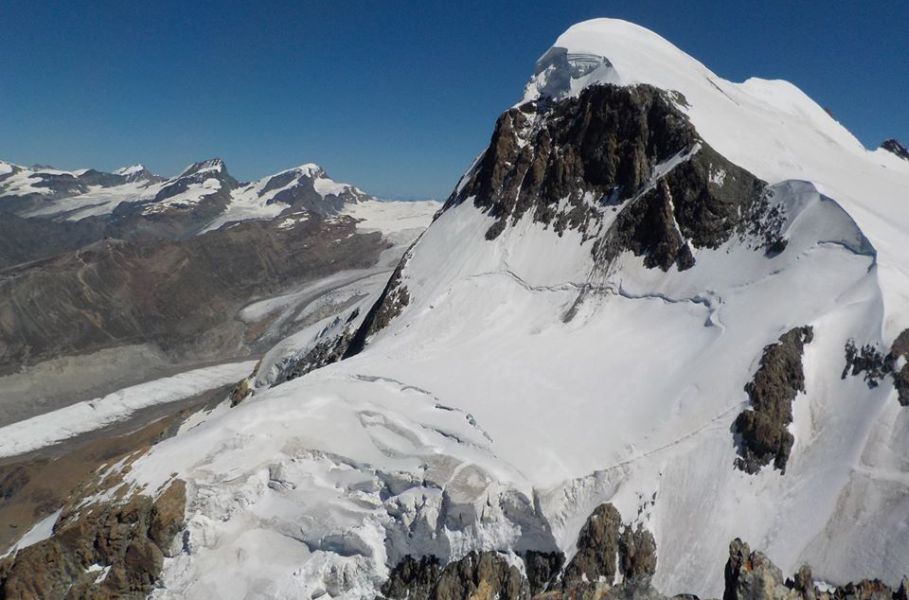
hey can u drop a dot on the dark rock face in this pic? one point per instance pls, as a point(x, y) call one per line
point(479, 575)
point(895, 147)
point(763, 437)
point(330, 349)
point(483, 575)
point(542, 569)
point(598, 547)
point(688, 209)
point(752, 576)
point(239, 393)
point(12, 480)
point(413, 579)
point(637, 553)
point(875, 365)
point(570, 162)
point(129, 540)
point(867, 360)
point(390, 304)
point(605, 142)
point(648, 229)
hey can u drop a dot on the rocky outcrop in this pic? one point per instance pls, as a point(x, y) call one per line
point(597, 548)
point(103, 550)
point(239, 392)
point(412, 578)
point(875, 366)
point(896, 148)
point(762, 430)
point(702, 202)
point(607, 551)
point(625, 150)
point(394, 298)
point(479, 576)
point(899, 352)
point(330, 348)
point(752, 576)
point(542, 569)
point(637, 553)
point(749, 575)
point(603, 144)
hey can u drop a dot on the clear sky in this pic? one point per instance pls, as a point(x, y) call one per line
point(396, 97)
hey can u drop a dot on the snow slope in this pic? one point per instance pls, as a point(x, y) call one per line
point(97, 201)
point(483, 417)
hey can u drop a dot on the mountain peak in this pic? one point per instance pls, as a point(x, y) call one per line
point(213, 165)
point(893, 145)
point(311, 170)
point(130, 170)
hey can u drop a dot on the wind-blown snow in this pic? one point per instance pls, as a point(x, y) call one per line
point(56, 426)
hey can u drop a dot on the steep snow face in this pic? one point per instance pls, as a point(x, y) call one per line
point(770, 128)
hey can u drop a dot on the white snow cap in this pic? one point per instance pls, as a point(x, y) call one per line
point(310, 170)
point(131, 170)
point(215, 165)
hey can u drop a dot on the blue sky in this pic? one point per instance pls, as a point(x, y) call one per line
point(396, 97)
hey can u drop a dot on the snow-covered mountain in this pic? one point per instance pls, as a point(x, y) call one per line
point(658, 302)
point(204, 187)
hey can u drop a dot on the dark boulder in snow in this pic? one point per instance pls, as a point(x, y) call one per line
point(871, 362)
point(598, 547)
point(763, 429)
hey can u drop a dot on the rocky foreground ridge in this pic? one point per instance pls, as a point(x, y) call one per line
point(115, 549)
